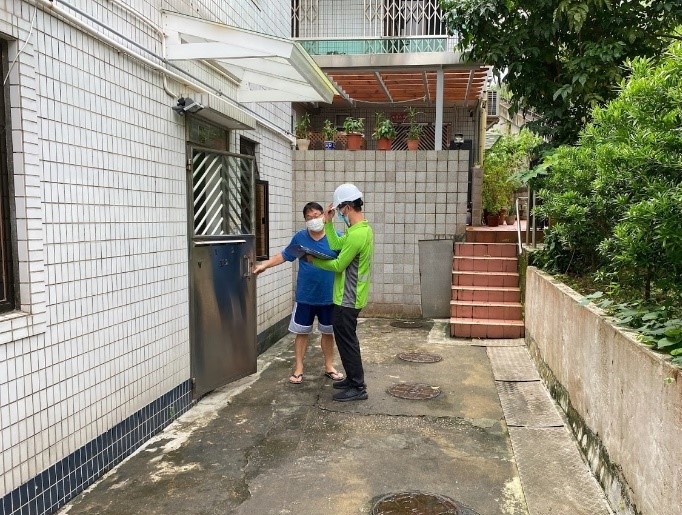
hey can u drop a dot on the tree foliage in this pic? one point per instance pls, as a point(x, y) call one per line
point(509, 155)
point(615, 200)
point(561, 57)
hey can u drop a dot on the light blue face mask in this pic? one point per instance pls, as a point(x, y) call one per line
point(343, 217)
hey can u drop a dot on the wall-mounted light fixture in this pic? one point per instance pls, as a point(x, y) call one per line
point(187, 105)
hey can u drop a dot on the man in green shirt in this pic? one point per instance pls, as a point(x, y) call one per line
point(351, 284)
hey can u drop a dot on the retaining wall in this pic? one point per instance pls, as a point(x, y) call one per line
point(623, 401)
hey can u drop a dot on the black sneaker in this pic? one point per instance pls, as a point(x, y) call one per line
point(351, 394)
point(342, 385)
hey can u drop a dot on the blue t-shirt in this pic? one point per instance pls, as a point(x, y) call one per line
point(313, 286)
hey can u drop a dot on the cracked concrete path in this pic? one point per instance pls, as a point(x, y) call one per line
point(263, 446)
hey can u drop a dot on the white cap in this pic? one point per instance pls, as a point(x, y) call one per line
point(345, 193)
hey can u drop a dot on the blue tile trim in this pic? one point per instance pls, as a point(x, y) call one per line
point(60, 483)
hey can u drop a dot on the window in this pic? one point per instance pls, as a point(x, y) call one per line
point(262, 215)
point(7, 301)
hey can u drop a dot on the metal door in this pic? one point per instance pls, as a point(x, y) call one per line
point(222, 253)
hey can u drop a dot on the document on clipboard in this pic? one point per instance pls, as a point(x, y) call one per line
point(300, 251)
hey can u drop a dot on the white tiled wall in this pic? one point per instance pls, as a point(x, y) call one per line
point(101, 230)
point(408, 196)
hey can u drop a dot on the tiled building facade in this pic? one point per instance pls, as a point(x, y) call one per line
point(95, 356)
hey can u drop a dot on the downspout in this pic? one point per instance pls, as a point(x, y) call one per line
point(483, 121)
point(158, 30)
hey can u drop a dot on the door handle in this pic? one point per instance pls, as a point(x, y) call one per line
point(246, 262)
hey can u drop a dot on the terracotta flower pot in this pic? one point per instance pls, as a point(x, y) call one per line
point(384, 144)
point(412, 144)
point(354, 141)
point(493, 220)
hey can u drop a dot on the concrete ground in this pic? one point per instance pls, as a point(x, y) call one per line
point(492, 440)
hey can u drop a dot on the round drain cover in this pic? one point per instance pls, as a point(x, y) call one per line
point(405, 503)
point(414, 391)
point(420, 357)
point(407, 324)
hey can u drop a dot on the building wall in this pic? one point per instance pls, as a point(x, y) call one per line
point(96, 357)
point(409, 197)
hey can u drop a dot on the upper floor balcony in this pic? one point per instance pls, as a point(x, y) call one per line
point(369, 27)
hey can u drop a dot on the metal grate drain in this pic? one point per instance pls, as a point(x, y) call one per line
point(414, 391)
point(407, 324)
point(420, 357)
point(405, 503)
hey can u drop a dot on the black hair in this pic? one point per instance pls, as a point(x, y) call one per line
point(312, 206)
point(356, 204)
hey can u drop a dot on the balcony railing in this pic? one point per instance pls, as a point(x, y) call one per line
point(327, 27)
point(399, 45)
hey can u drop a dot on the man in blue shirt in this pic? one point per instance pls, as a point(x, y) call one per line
point(313, 291)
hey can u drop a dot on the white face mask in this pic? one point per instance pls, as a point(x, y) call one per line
point(316, 224)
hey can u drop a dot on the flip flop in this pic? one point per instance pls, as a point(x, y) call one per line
point(296, 378)
point(334, 376)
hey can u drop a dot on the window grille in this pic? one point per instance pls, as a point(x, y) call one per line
point(492, 103)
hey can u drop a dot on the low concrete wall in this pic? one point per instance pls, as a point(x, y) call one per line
point(623, 401)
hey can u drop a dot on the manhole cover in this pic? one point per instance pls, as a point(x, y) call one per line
point(420, 357)
point(414, 391)
point(407, 324)
point(405, 503)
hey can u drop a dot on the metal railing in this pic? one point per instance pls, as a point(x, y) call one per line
point(370, 26)
point(531, 222)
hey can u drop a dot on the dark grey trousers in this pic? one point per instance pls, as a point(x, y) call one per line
point(345, 324)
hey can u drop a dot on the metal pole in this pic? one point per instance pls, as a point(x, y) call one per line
point(534, 228)
point(439, 109)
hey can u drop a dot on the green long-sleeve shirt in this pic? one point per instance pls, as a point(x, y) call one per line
point(353, 264)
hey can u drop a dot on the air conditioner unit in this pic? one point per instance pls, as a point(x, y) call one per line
point(492, 103)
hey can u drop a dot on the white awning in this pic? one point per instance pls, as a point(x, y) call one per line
point(264, 68)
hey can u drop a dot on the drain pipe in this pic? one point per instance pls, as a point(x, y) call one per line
point(158, 30)
point(197, 84)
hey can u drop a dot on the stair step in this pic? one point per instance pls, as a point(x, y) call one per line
point(484, 328)
point(485, 264)
point(490, 235)
point(485, 249)
point(497, 279)
point(486, 293)
point(486, 310)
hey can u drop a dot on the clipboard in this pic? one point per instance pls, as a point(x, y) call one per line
point(299, 251)
point(316, 253)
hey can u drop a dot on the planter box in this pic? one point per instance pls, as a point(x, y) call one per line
point(623, 401)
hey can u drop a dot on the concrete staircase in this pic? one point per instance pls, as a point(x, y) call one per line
point(486, 298)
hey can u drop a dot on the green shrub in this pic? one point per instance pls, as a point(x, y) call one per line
point(509, 155)
point(614, 199)
point(615, 203)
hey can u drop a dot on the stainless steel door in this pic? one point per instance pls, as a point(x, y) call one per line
point(223, 311)
point(222, 254)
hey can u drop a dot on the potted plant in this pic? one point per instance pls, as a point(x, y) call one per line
point(511, 215)
point(329, 134)
point(414, 129)
point(494, 194)
point(302, 130)
point(355, 131)
point(384, 132)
